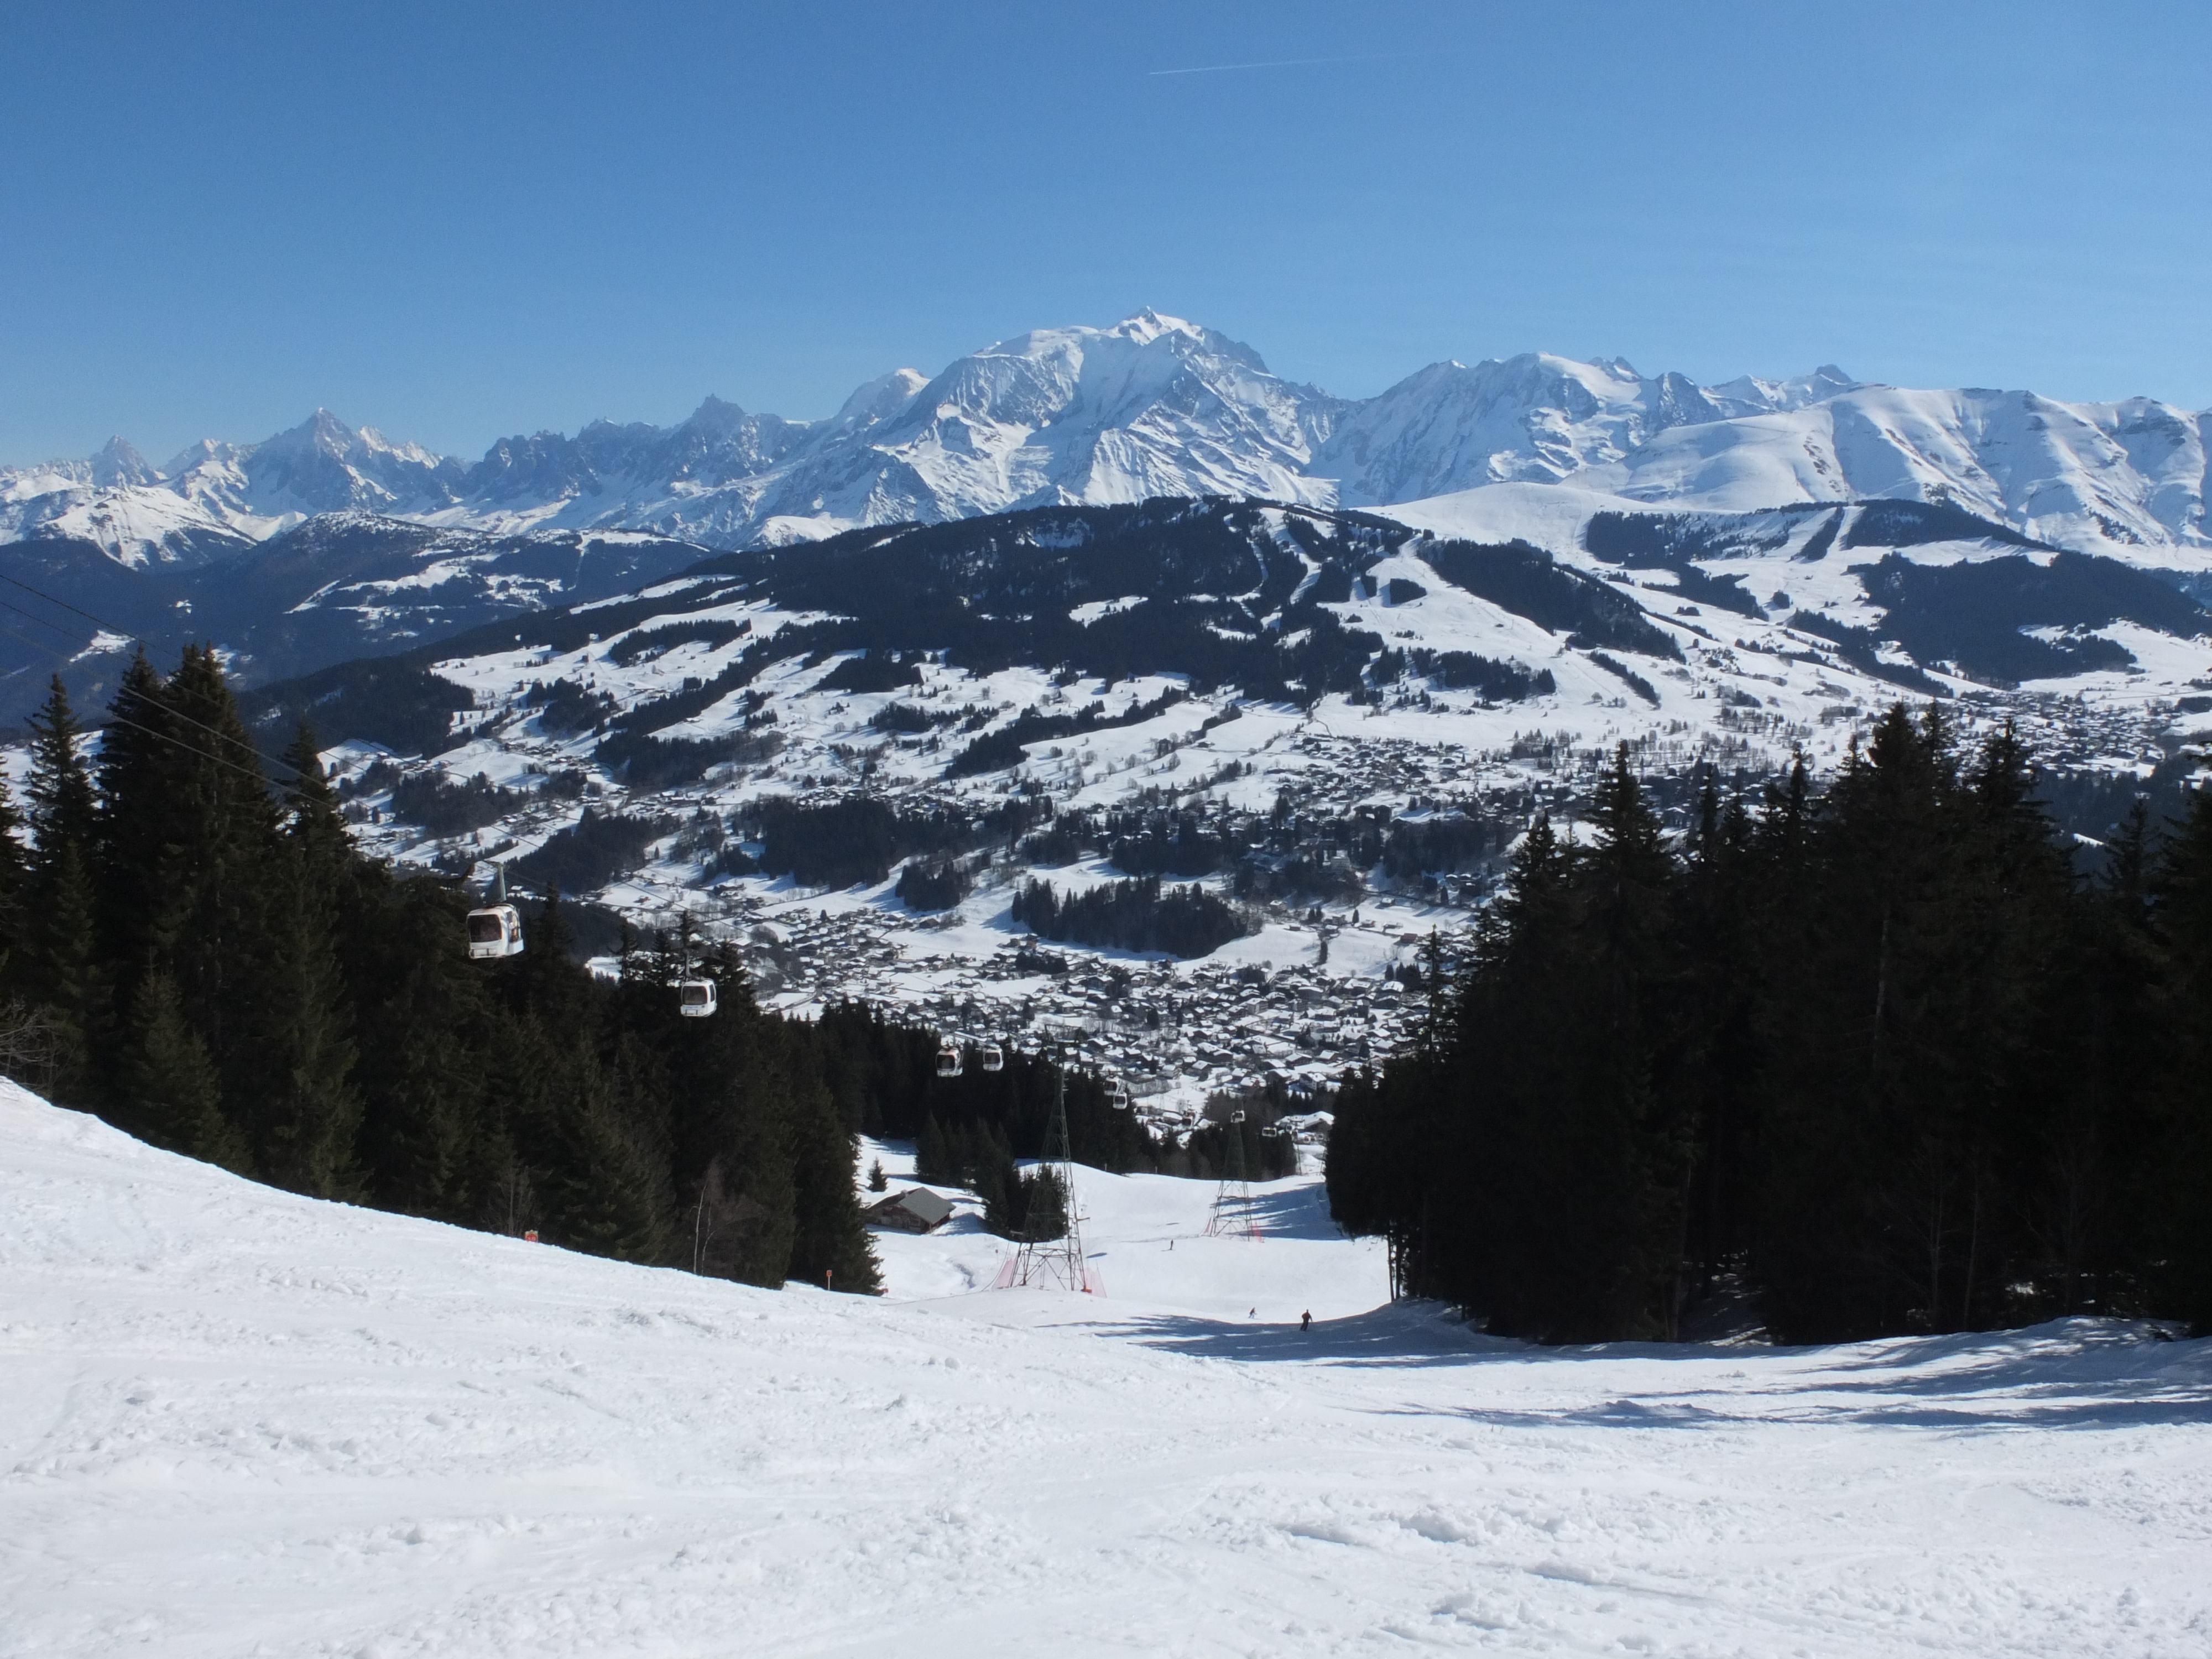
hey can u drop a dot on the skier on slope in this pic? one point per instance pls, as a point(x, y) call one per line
point(1306, 1321)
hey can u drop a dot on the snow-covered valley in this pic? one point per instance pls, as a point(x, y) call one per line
point(245, 1422)
point(1084, 663)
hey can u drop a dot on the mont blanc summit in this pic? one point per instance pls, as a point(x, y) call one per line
point(1155, 405)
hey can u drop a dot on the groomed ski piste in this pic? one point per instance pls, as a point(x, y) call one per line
point(241, 1422)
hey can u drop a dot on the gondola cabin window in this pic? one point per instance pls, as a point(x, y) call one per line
point(494, 931)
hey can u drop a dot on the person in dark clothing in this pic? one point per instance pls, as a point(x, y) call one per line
point(1306, 1321)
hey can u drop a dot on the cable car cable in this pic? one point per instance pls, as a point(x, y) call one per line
point(33, 616)
point(110, 628)
point(163, 736)
point(41, 594)
point(511, 935)
point(66, 661)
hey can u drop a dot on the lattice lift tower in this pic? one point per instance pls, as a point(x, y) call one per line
point(1056, 1263)
point(1231, 1213)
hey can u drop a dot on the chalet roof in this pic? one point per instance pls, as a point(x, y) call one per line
point(919, 1202)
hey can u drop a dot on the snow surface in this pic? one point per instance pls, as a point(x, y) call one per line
point(248, 1423)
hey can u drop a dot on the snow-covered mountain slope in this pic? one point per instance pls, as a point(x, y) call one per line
point(1130, 1222)
point(1151, 406)
point(242, 1421)
point(117, 503)
point(321, 465)
point(2125, 478)
point(334, 586)
point(1534, 417)
point(1155, 405)
point(216, 498)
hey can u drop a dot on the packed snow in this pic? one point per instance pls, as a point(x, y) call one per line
point(249, 1422)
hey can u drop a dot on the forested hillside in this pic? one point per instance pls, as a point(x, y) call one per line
point(212, 966)
point(1873, 1059)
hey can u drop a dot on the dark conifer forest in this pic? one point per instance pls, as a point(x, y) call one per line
point(1138, 915)
point(1864, 1062)
point(208, 962)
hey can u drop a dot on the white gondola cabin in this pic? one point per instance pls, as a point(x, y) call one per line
point(1117, 1094)
point(494, 931)
point(694, 998)
point(994, 1058)
point(948, 1060)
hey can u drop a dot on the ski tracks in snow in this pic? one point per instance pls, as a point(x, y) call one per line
point(242, 1422)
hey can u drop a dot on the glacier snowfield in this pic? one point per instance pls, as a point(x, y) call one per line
point(242, 1422)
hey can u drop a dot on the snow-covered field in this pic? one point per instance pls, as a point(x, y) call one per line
point(240, 1422)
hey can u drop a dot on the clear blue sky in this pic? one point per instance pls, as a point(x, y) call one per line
point(453, 220)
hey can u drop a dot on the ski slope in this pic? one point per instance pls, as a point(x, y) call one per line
point(241, 1422)
point(1145, 1245)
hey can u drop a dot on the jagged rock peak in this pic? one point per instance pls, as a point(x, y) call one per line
point(713, 415)
point(118, 463)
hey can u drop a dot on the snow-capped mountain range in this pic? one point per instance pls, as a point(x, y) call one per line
point(1156, 406)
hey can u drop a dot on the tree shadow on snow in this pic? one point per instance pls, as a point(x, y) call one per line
point(2069, 1373)
point(2073, 1374)
point(1295, 1213)
point(1399, 1334)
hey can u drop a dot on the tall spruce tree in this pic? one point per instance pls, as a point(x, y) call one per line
point(830, 1237)
point(2182, 1275)
point(67, 970)
point(140, 753)
point(223, 890)
point(310, 1113)
point(167, 1090)
point(1716, 1059)
point(14, 876)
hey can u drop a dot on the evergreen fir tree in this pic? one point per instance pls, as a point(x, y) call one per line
point(139, 756)
point(1043, 1206)
point(427, 1035)
point(933, 1159)
point(316, 826)
point(830, 1237)
point(168, 1090)
point(64, 810)
point(1716, 1059)
point(610, 1192)
point(311, 1113)
point(220, 893)
point(14, 877)
point(2183, 1229)
point(998, 1187)
point(65, 968)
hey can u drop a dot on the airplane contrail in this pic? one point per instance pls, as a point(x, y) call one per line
point(1281, 62)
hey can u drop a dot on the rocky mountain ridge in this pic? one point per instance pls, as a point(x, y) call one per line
point(1157, 406)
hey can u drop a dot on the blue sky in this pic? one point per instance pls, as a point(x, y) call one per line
point(457, 220)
